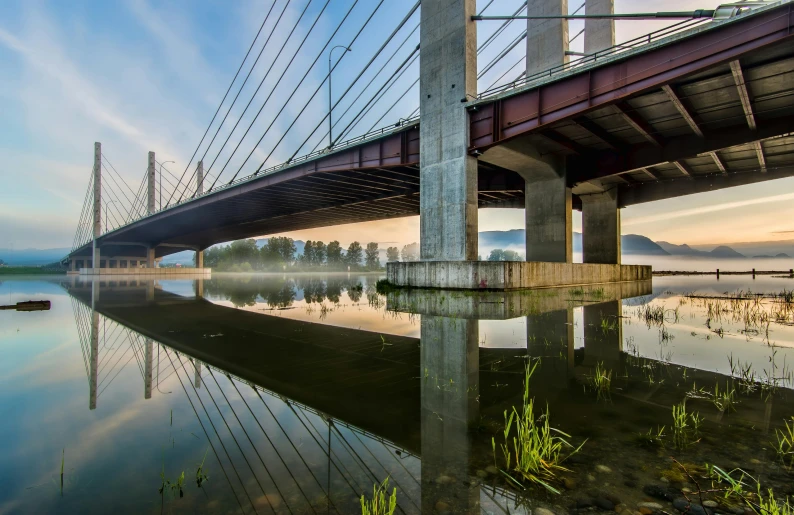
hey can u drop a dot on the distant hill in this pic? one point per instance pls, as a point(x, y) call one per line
point(630, 243)
point(723, 251)
point(782, 255)
point(32, 257)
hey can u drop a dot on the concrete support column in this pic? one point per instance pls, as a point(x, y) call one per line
point(150, 183)
point(447, 76)
point(449, 392)
point(97, 202)
point(72, 264)
point(549, 222)
point(603, 333)
point(199, 259)
point(598, 34)
point(547, 40)
point(200, 178)
point(601, 228)
point(150, 261)
point(147, 376)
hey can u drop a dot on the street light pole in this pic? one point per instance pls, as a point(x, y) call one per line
point(161, 181)
point(330, 102)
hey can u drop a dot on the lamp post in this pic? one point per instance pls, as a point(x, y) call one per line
point(330, 102)
point(161, 181)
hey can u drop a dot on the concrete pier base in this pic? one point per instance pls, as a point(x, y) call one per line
point(509, 275)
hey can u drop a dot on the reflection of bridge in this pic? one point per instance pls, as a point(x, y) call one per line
point(673, 114)
point(321, 420)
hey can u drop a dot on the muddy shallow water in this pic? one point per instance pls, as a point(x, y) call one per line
point(297, 394)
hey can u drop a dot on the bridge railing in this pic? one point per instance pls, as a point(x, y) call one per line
point(579, 62)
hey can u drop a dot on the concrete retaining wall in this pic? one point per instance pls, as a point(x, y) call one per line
point(513, 275)
point(149, 272)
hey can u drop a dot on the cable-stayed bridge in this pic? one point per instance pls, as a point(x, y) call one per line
point(700, 105)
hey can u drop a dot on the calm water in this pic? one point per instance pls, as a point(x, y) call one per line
point(296, 394)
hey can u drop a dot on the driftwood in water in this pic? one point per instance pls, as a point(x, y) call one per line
point(31, 305)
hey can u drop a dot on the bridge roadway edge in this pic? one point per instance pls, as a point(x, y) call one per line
point(509, 275)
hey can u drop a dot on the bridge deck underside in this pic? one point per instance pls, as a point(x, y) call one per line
point(292, 203)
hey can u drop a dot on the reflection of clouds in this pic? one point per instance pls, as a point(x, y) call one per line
point(49, 367)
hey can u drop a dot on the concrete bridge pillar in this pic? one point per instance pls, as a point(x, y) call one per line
point(97, 203)
point(598, 34)
point(200, 178)
point(547, 40)
point(549, 218)
point(449, 392)
point(150, 185)
point(150, 260)
point(601, 228)
point(448, 176)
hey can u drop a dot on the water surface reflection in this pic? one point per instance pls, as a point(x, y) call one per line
point(303, 392)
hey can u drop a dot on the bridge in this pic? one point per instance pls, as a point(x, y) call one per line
point(699, 106)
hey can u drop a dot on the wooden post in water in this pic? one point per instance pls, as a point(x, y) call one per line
point(718, 274)
point(753, 273)
point(791, 272)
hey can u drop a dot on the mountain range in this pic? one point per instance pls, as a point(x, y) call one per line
point(631, 244)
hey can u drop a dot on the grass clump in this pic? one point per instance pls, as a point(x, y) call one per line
point(652, 439)
point(686, 426)
point(601, 381)
point(380, 504)
point(538, 450)
point(785, 442)
point(734, 487)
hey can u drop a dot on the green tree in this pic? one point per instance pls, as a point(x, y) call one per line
point(241, 251)
point(372, 258)
point(308, 253)
point(504, 255)
point(410, 252)
point(278, 252)
point(354, 254)
point(392, 254)
point(333, 253)
point(320, 251)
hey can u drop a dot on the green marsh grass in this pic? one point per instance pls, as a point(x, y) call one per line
point(785, 442)
point(538, 450)
point(686, 425)
point(601, 381)
point(380, 504)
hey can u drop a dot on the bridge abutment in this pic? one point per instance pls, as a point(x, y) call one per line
point(549, 219)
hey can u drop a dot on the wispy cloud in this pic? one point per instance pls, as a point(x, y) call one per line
point(708, 209)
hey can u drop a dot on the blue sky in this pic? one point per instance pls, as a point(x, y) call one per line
point(139, 75)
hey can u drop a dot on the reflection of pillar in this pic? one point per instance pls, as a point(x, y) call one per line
point(198, 287)
point(450, 376)
point(603, 333)
point(147, 376)
point(92, 382)
point(550, 337)
point(197, 378)
point(150, 290)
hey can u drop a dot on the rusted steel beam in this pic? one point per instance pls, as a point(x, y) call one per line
point(718, 162)
point(527, 110)
point(759, 151)
point(682, 110)
point(638, 124)
point(599, 132)
point(744, 95)
point(610, 162)
point(683, 168)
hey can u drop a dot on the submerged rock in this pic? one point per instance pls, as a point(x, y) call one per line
point(660, 492)
point(685, 506)
point(603, 469)
point(542, 511)
point(491, 469)
point(482, 474)
point(605, 504)
point(653, 506)
point(710, 504)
